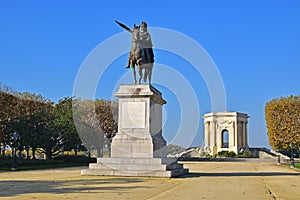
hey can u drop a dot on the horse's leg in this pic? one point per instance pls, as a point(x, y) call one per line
point(140, 70)
point(146, 72)
point(134, 73)
point(150, 67)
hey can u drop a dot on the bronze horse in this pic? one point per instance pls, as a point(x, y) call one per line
point(141, 53)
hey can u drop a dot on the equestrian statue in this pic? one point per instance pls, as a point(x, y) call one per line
point(141, 53)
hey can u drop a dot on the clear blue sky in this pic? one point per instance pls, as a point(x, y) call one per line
point(254, 44)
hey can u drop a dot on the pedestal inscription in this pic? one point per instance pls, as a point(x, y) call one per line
point(133, 114)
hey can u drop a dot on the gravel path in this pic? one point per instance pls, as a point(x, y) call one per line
point(207, 180)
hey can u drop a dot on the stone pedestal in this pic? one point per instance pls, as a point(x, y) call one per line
point(139, 148)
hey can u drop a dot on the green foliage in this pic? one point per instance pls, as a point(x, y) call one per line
point(96, 122)
point(75, 159)
point(297, 165)
point(283, 122)
point(227, 154)
point(59, 161)
point(88, 126)
point(246, 154)
point(231, 154)
point(50, 128)
point(17, 115)
point(222, 154)
point(106, 112)
point(8, 110)
point(64, 123)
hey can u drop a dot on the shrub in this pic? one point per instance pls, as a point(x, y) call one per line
point(222, 154)
point(231, 154)
point(74, 159)
point(245, 154)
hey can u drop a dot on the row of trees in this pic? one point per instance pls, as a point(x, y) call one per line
point(283, 122)
point(30, 122)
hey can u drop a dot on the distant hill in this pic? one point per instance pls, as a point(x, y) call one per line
point(173, 149)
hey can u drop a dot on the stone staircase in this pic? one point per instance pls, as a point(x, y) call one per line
point(154, 167)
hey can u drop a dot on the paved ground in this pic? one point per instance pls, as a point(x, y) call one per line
point(208, 180)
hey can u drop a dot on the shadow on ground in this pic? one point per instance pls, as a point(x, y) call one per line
point(11, 188)
point(234, 174)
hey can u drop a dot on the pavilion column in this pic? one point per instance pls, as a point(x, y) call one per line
point(215, 134)
point(234, 133)
point(207, 133)
point(246, 134)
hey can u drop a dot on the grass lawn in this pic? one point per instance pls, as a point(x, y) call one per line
point(297, 165)
point(66, 161)
point(45, 166)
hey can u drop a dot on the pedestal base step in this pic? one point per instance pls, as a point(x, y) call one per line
point(153, 167)
point(111, 172)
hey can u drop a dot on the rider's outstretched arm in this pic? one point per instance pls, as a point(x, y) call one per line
point(123, 26)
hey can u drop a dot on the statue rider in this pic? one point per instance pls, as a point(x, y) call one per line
point(146, 51)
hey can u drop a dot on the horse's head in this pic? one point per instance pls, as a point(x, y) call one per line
point(136, 33)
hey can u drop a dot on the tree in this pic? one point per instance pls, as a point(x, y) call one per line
point(87, 125)
point(51, 128)
point(21, 112)
point(8, 111)
point(50, 141)
point(65, 124)
point(107, 114)
point(283, 122)
point(28, 121)
point(95, 121)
